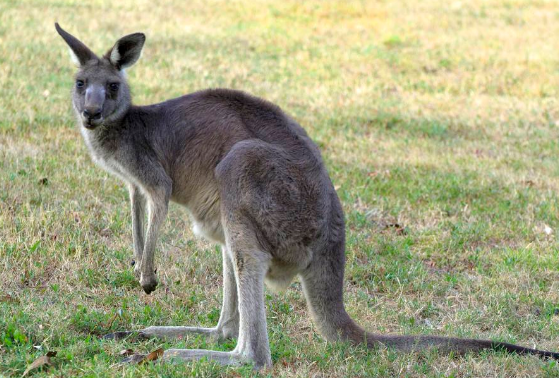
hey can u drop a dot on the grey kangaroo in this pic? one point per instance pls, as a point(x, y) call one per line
point(252, 180)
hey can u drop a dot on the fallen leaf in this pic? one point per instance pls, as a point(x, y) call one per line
point(126, 352)
point(156, 354)
point(40, 362)
point(142, 358)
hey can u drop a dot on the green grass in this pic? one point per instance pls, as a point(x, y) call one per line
point(439, 116)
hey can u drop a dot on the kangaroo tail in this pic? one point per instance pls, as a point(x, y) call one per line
point(450, 344)
point(322, 284)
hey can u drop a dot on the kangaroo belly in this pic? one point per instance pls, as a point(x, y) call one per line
point(280, 275)
point(210, 230)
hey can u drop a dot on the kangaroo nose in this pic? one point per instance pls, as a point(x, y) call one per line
point(92, 113)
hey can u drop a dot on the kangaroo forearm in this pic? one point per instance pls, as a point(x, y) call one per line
point(154, 225)
point(157, 206)
point(138, 214)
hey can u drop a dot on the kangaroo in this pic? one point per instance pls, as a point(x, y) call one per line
point(252, 180)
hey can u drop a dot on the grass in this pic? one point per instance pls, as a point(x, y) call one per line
point(440, 117)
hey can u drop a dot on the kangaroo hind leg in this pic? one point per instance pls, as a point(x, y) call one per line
point(250, 264)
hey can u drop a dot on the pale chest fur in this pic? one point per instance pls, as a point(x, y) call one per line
point(108, 161)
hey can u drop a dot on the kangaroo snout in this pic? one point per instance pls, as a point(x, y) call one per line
point(92, 113)
point(92, 117)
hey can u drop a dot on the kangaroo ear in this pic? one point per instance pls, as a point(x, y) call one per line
point(126, 50)
point(81, 54)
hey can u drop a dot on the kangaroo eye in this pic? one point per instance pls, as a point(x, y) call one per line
point(80, 83)
point(114, 86)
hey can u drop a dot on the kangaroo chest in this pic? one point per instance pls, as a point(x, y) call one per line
point(107, 160)
point(203, 207)
point(111, 165)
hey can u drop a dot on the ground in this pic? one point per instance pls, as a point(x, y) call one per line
point(438, 122)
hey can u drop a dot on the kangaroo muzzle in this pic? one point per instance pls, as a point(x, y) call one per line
point(93, 109)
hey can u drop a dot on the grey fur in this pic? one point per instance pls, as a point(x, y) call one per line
point(252, 180)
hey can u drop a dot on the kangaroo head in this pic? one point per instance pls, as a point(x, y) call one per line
point(101, 94)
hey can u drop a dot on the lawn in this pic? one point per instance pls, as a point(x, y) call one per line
point(438, 122)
